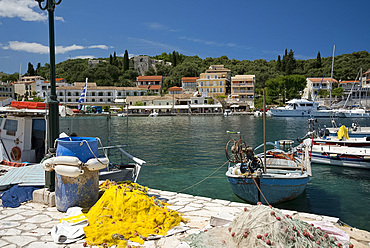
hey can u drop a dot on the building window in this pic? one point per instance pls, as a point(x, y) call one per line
point(216, 76)
point(76, 94)
point(60, 93)
point(93, 93)
point(69, 100)
point(101, 94)
point(101, 100)
point(93, 100)
point(69, 94)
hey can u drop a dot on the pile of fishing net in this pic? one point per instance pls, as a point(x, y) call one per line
point(126, 212)
point(263, 226)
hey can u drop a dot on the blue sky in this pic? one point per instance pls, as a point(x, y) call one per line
point(239, 29)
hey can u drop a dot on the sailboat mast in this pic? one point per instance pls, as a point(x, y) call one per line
point(264, 130)
point(331, 76)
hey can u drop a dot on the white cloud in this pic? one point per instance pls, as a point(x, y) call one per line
point(148, 44)
point(83, 57)
point(158, 26)
point(105, 47)
point(213, 43)
point(27, 47)
point(24, 9)
point(62, 49)
point(33, 47)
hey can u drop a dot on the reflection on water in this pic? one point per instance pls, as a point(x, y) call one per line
point(181, 151)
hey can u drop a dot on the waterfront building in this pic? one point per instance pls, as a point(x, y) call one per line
point(189, 83)
point(152, 84)
point(354, 90)
point(366, 79)
point(242, 87)
point(96, 94)
point(314, 85)
point(26, 85)
point(175, 90)
point(43, 87)
point(7, 90)
point(214, 81)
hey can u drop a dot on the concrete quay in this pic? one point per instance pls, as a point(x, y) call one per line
point(29, 225)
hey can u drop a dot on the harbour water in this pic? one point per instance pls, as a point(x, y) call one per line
point(181, 151)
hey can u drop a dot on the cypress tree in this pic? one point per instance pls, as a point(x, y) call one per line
point(30, 70)
point(318, 60)
point(278, 63)
point(174, 59)
point(126, 62)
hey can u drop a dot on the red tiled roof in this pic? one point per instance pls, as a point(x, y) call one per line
point(318, 80)
point(349, 81)
point(175, 88)
point(189, 79)
point(149, 78)
point(152, 87)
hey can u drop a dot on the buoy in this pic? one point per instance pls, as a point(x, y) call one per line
point(48, 164)
point(16, 153)
point(68, 170)
point(94, 164)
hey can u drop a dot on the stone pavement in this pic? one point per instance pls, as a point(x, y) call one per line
point(29, 225)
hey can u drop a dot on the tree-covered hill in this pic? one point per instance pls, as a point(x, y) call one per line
point(119, 71)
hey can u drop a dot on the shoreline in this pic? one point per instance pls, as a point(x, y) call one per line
point(29, 225)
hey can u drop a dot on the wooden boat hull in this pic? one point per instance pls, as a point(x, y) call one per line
point(276, 189)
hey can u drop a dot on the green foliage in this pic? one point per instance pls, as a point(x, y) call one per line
point(323, 93)
point(284, 87)
point(30, 70)
point(338, 92)
point(139, 103)
point(37, 99)
point(210, 101)
point(272, 74)
point(9, 78)
point(126, 61)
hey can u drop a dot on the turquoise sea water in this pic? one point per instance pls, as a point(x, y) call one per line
point(180, 151)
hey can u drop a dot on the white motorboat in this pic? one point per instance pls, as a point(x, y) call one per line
point(228, 112)
point(340, 155)
point(153, 114)
point(296, 108)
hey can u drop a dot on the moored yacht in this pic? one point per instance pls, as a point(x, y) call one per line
point(295, 108)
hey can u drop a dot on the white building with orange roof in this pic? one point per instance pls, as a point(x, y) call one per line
point(175, 90)
point(150, 83)
point(315, 84)
point(189, 83)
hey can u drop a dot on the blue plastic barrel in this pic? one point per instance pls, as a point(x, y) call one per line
point(82, 191)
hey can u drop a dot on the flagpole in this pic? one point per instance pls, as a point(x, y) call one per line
point(82, 96)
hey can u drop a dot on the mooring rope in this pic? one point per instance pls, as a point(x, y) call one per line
point(204, 178)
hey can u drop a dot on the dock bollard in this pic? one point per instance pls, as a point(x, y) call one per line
point(81, 190)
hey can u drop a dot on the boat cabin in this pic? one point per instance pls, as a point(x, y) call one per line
point(23, 136)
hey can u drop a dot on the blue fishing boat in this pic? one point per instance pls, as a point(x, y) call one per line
point(283, 179)
point(270, 178)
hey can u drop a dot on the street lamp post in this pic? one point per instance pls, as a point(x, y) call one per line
point(53, 118)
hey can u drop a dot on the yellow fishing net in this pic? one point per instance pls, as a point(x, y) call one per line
point(126, 212)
